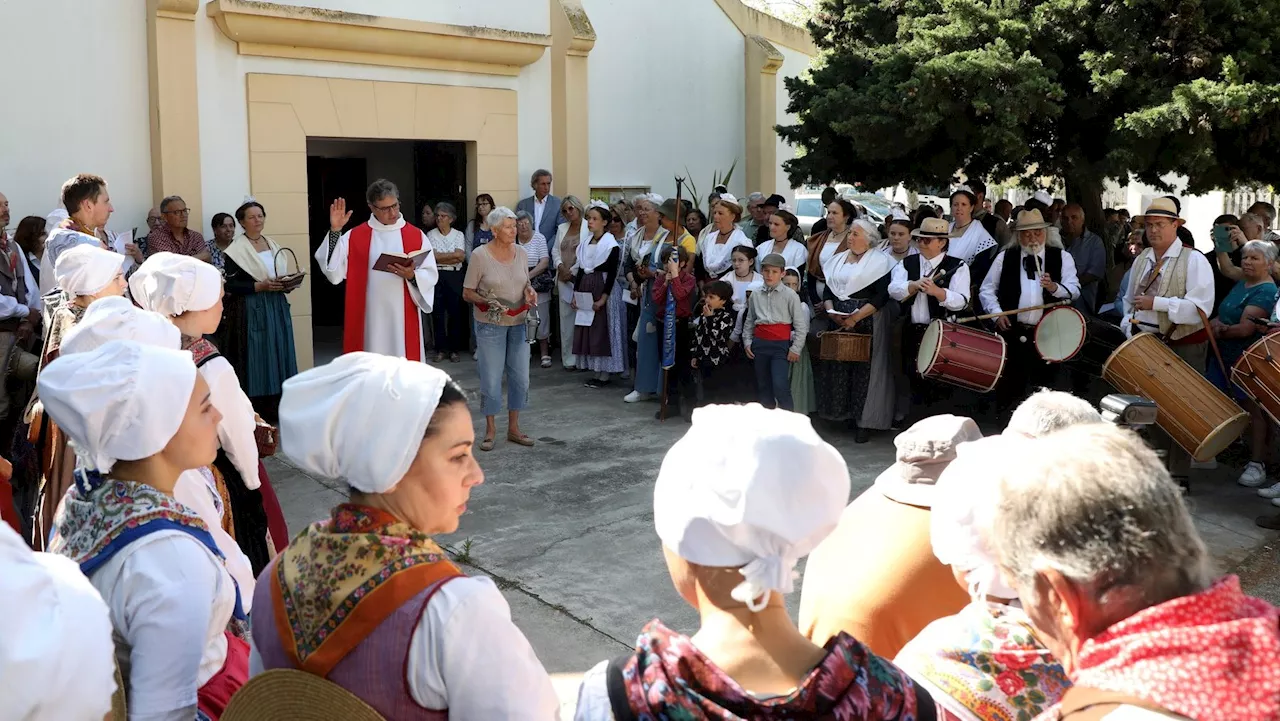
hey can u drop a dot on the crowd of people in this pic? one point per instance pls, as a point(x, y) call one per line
point(1051, 571)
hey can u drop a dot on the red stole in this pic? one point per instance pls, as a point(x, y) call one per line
point(358, 291)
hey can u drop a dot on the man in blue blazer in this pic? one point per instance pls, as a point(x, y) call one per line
point(543, 206)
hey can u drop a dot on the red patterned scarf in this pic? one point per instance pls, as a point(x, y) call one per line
point(1211, 656)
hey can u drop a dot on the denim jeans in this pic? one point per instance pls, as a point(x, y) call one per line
point(773, 380)
point(503, 351)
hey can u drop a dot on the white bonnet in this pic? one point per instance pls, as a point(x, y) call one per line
point(123, 401)
point(359, 419)
point(965, 498)
point(751, 487)
point(872, 230)
point(172, 284)
point(117, 318)
point(87, 269)
point(57, 656)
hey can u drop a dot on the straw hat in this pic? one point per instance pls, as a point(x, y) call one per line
point(1029, 220)
point(932, 228)
point(298, 696)
point(1163, 208)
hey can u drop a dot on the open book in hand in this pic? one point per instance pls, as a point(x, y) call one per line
point(416, 259)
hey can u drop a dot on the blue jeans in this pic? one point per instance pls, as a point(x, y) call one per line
point(773, 380)
point(503, 351)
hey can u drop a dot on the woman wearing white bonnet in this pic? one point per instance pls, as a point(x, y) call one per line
point(985, 661)
point(740, 499)
point(85, 273)
point(118, 319)
point(138, 416)
point(56, 656)
point(189, 293)
point(366, 598)
point(716, 247)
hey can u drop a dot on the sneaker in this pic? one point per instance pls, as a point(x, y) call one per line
point(1255, 474)
point(637, 396)
point(1270, 491)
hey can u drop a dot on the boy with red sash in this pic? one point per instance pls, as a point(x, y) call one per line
point(383, 309)
point(774, 333)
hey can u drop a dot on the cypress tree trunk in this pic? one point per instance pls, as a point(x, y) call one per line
point(1085, 188)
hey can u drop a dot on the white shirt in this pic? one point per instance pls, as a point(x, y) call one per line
point(557, 259)
point(539, 206)
point(170, 600)
point(194, 491)
point(451, 243)
point(235, 430)
point(33, 288)
point(718, 257)
point(468, 656)
point(795, 253)
point(1182, 311)
point(384, 298)
point(1031, 292)
point(920, 306)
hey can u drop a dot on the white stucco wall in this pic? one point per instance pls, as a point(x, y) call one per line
point(690, 111)
point(530, 16)
point(796, 64)
point(224, 122)
point(75, 90)
point(1198, 210)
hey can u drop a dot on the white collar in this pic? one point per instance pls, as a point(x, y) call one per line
point(1173, 252)
point(540, 202)
point(377, 226)
point(935, 261)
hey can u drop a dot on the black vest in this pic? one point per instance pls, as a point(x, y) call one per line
point(911, 264)
point(1009, 292)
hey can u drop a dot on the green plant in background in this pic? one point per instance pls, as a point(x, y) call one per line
point(716, 179)
point(464, 555)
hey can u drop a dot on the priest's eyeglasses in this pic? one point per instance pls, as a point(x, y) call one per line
point(385, 208)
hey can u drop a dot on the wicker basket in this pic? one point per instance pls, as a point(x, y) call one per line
point(844, 346)
point(290, 280)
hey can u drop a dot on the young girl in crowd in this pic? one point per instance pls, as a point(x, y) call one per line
point(712, 328)
point(678, 275)
point(801, 371)
point(744, 279)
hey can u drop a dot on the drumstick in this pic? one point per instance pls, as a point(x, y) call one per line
point(1014, 312)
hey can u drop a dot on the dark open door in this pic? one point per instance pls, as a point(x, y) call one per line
point(327, 180)
point(440, 172)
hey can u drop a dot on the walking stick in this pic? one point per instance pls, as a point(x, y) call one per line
point(669, 320)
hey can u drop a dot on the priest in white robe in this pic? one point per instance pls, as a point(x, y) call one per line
point(382, 306)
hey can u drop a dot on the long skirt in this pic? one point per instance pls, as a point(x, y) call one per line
point(567, 314)
point(860, 392)
point(802, 398)
point(232, 337)
point(271, 357)
point(250, 516)
point(648, 347)
point(59, 464)
point(600, 347)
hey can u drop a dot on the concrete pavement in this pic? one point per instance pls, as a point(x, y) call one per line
point(566, 527)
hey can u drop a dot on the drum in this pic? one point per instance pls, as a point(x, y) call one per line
point(1198, 416)
point(962, 356)
point(1257, 373)
point(1065, 335)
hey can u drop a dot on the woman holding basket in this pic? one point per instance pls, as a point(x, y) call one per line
point(259, 271)
point(859, 392)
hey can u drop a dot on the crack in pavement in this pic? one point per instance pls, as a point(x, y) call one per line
point(504, 584)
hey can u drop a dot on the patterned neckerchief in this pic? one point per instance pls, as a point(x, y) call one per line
point(986, 662)
point(668, 677)
point(342, 576)
point(101, 516)
point(1210, 656)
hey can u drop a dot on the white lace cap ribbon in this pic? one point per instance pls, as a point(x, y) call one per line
point(760, 577)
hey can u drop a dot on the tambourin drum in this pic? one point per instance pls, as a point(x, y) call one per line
point(962, 356)
point(1065, 335)
point(1198, 416)
point(1257, 373)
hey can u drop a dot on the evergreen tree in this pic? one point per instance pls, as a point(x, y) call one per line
point(1085, 90)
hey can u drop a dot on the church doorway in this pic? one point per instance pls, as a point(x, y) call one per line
point(425, 171)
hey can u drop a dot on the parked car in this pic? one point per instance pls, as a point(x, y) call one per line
point(808, 210)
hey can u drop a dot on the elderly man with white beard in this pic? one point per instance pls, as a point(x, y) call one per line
point(1026, 275)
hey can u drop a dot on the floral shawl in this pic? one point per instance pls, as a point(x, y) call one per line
point(100, 516)
point(985, 664)
point(343, 576)
point(1211, 656)
point(669, 678)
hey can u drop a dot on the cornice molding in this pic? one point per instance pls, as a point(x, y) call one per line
point(770, 58)
point(583, 38)
point(176, 9)
point(750, 21)
point(289, 31)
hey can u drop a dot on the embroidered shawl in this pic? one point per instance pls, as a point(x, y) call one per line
point(669, 678)
point(985, 664)
point(101, 516)
point(343, 576)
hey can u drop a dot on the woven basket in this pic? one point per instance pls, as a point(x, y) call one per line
point(290, 280)
point(844, 346)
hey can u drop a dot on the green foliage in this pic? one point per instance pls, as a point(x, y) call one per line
point(717, 178)
point(916, 90)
